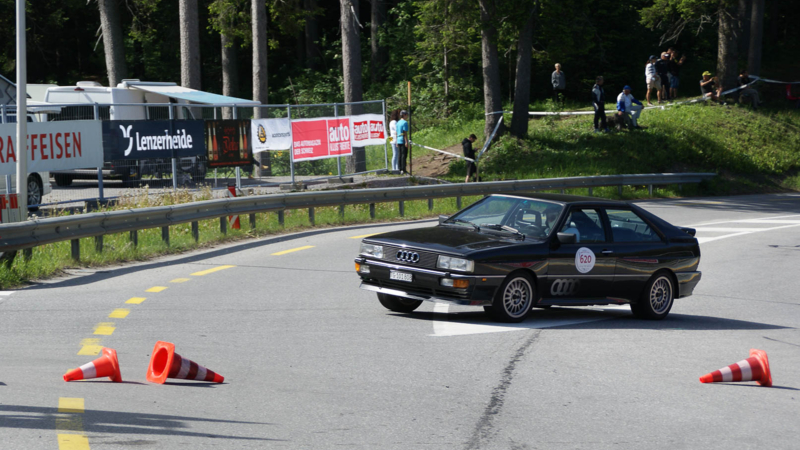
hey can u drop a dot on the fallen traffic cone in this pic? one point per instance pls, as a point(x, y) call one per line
point(104, 366)
point(754, 368)
point(165, 363)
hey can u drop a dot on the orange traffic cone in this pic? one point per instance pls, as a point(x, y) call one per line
point(234, 220)
point(165, 363)
point(104, 366)
point(754, 368)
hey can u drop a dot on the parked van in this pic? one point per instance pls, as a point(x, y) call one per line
point(38, 182)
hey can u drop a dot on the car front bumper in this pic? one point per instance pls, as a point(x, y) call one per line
point(687, 282)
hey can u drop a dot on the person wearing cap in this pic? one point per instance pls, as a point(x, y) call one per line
point(710, 87)
point(599, 103)
point(402, 140)
point(628, 108)
point(559, 82)
point(662, 69)
point(652, 79)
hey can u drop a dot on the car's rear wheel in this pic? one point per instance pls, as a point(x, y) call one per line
point(514, 299)
point(35, 192)
point(398, 304)
point(657, 298)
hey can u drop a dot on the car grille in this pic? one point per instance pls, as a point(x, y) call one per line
point(426, 259)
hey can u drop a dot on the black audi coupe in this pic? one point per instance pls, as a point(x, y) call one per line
point(511, 253)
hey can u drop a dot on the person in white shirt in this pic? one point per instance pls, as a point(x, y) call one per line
point(393, 118)
point(652, 79)
point(628, 108)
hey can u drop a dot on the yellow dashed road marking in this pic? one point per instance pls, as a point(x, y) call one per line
point(136, 300)
point(73, 442)
point(104, 328)
point(157, 289)
point(180, 280)
point(70, 405)
point(119, 313)
point(292, 250)
point(363, 236)
point(90, 347)
point(69, 423)
point(212, 270)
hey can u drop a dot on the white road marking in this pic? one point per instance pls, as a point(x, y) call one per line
point(709, 239)
point(5, 293)
point(724, 229)
point(742, 220)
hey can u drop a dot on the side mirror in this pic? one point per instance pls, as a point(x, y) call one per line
point(566, 238)
point(442, 218)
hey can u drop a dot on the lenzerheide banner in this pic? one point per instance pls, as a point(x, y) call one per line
point(228, 143)
point(150, 139)
point(271, 134)
point(52, 146)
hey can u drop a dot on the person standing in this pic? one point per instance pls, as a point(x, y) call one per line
point(628, 108)
point(747, 91)
point(402, 141)
point(652, 79)
point(662, 69)
point(559, 81)
point(599, 103)
point(674, 72)
point(469, 152)
point(393, 117)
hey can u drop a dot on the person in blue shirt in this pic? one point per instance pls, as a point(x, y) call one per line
point(402, 140)
point(628, 108)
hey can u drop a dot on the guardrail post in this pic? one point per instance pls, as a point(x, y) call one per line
point(620, 190)
point(341, 212)
point(430, 204)
point(563, 191)
point(134, 238)
point(311, 216)
point(165, 234)
point(650, 189)
point(98, 244)
point(27, 254)
point(591, 192)
point(281, 219)
point(223, 224)
point(402, 205)
point(195, 231)
point(253, 221)
point(458, 203)
point(76, 249)
point(372, 210)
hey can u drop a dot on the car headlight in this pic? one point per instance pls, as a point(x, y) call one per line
point(376, 251)
point(462, 265)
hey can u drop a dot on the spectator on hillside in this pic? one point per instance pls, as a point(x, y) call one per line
point(402, 141)
point(662, 69)
point(559, 81)
point(628, 108)
point(652, 79)
point(393, 118)
point(599, 103)
point(674, 72)
point(469, 152)
point(747, 90)
point(710, 87)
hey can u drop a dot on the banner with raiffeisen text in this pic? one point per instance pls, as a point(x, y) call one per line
point(73, 144)
point(150, 139)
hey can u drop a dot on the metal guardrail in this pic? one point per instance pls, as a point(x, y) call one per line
point(36, 232)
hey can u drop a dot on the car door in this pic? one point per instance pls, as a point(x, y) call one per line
point(584, 271)
point(639, 250)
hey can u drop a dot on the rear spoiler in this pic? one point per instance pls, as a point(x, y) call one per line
point(689, 231)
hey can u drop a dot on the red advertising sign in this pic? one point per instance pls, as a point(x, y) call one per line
point(320, 138)
point(339, 137)
point(376, 130)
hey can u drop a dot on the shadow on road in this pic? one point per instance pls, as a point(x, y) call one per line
point(113, 422)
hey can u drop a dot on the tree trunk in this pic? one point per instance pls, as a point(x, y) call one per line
point(260, 84)
point(756, 36)
point(112, 41)
point(522, 85)
point(311, 35)
point(190, 44)
point(378, 56)
point(743, 27)
point(351, 64)
point(492, 97)
point(230, 71)
point(726, 41)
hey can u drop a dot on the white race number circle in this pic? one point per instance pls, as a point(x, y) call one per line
point(584, 260)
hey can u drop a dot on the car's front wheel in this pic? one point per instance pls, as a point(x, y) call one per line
point(514, 299)
point(657, 298)
point(398, 304)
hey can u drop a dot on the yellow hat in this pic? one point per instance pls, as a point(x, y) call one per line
point(706, 73)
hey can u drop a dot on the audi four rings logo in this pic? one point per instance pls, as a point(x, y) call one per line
point(412, 257)
point(564, 287)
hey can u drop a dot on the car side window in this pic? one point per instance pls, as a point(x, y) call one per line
point(627, 226)
point(586, 224)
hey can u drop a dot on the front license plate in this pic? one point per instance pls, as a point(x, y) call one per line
point(401, 276)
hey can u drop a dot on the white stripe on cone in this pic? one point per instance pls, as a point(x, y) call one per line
point(201, 373)
point(727, 375)
point(89, 371)
point(186, 365)
point(747, 372)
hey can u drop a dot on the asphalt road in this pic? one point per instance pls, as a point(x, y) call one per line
point(312, 362)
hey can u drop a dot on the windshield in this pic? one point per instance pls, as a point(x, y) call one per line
point(531, 217)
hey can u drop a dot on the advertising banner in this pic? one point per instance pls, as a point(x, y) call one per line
point(321, 138)
point(228, 143)
point(149, 139)
point(368, 129)
point(271, 134)
point(63, 145)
